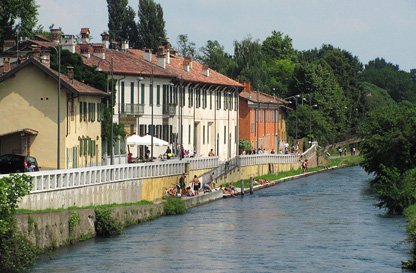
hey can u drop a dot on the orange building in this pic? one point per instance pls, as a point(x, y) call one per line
point(262, 119)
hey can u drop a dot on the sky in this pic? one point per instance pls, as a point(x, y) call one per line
point(366, 28)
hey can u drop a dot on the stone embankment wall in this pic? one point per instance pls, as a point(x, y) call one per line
point(58, 228)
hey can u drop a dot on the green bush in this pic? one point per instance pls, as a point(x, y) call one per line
point(174, 206)
point(410, 213)
point(105, 224)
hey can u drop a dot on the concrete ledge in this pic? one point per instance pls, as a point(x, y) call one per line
point(202, 198)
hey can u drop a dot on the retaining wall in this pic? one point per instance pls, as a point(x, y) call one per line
point(52, 229)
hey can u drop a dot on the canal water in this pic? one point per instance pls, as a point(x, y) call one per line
point(322, 223)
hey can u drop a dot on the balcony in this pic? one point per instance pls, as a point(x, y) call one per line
point(133, 109)
point(169, 109)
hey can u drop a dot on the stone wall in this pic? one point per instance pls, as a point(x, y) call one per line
point(53, 229)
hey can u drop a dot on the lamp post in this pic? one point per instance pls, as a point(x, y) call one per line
point(237, 139)
point(180, 118)
point(58, 152)
point(296, 100)
point(140, 78)
point(258, 120)
point(111, 101)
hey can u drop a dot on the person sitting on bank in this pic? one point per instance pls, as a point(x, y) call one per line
point(130, 158)
point(207, 188)
point(188, 192)
point(211, 153)
point(226, 191)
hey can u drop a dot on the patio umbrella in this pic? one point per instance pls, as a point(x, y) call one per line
point(147, 140)
point(134, 140)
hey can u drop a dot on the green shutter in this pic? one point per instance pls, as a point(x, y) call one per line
point(158, 95)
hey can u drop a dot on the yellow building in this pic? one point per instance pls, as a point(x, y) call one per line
point(29, 116)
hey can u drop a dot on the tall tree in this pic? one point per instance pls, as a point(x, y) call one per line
point(151, 26)
point(121, 23)
point(213, 55)
point(248, 63)
point(279, 47)
point(17, 18)
point(186, 48)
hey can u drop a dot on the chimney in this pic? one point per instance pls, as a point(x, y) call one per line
point(175, 52)
point(84, 50)
point(36, 52)
point(6, 65)
point(56, 34)
point(189, 59)
point(247, 87)
point(114, 45)
point(68, 42)
point(166, 46)
point(186, 65)
point(8, 44)
point(161, 60)
point(105, 37)
point(205, 70)
point(70, 73)
point(147, 55)
point(85, 35)
point(45, 59)
point(125, 45)
point(99, 51)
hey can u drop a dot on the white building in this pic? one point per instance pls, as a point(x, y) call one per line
point(206, 109)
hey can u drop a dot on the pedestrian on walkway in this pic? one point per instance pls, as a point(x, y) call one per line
point(340, 151)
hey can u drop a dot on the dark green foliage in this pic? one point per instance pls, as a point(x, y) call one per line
point(376, 97)
point(16, 251)
point(186, 48)
point(213, 55)
point(410, 214)
point(151, 26)
point(17, 18)
point(244, 144)
point(105, 224)
point(174, 206)
point(399, 84)
point(390, 139)
point(395, 191)
point(121, 23)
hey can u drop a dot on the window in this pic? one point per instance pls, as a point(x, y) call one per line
point(158, 95)
point(122, 97)
point(183, 96)
point(225, 100)
point(236, 101)
point(142, 94)
point(175, 92)
point(225, 134)
point(192, 97)
point(132, 93)
point(208, 134)
point(151, 94)
point(80, 112)
point(203, 134)
point(257, 115)
point(98, 112)
point(131, 128)
point(231, 101)
point(189, 97)
point(85, 112)
point(219, 100)
point(210, 99)
point(189, 134)
point(261, 116)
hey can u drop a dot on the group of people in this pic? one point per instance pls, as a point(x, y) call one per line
point(344, 151)
point(195, 185)
point(305, 164)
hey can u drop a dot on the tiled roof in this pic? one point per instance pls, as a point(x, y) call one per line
point(255, 96)
point(125, 63)
point(73, 86)
point(131, 62)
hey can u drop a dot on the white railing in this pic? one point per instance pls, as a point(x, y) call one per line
point(248, 160)
point(200, 163)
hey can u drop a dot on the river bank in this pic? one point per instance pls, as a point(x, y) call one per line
point(52, 229)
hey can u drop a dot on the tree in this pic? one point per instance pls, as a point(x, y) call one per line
point(277, 47)
point(248, 63)
point(10, 12)
point(151, 26)
point(388, 76)
point(121, 23)
point(186, 48)
point(213, 55)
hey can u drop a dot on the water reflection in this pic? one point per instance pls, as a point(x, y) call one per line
point(325, 222)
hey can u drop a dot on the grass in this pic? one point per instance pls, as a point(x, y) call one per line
point(141, 203)
point(346, 162)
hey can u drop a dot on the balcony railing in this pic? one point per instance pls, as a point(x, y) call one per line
point(169, 109)
point(133, 109)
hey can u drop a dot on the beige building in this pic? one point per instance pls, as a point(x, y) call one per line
point(29, 113)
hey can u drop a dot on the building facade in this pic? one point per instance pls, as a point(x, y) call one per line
point(262, 120)
point(29, 116)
